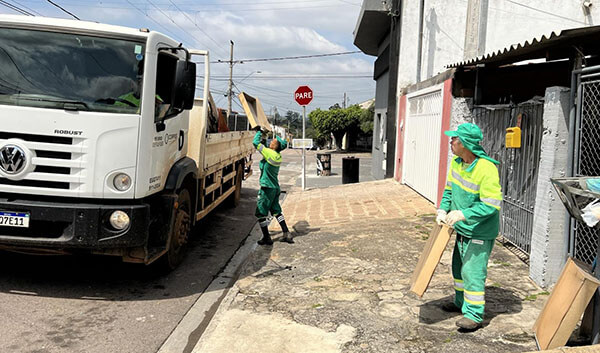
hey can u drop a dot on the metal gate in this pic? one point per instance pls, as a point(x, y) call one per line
point(584, 240)
point(422, 142)
point(518, 166)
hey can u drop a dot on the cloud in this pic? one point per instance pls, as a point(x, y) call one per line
point(261, 29)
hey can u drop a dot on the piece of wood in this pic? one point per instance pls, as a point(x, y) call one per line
point(567, 302)
point(254, 111)
point(429, 259)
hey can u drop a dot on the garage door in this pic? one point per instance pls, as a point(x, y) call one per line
point(422, 141)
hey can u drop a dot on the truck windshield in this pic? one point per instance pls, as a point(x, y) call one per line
point(70, 71)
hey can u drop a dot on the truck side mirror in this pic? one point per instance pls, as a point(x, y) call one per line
point(184, 85)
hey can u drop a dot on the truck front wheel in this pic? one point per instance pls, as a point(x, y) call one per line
point(180, 231)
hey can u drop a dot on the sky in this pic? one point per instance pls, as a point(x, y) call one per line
point(260, 29)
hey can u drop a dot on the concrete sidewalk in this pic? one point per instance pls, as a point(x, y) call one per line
point(344, 285)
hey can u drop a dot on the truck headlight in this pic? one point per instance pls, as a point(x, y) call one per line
point(122, 182)
point(119, 220)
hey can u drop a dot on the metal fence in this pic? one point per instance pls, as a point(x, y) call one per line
point(584, 240)
point(518, 166)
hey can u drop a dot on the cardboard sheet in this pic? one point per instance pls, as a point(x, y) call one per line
point(254, 111)
point(565, 306)
point(429, 259)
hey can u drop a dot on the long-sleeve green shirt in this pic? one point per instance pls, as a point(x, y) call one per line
point(474, 190)
point(269, 165)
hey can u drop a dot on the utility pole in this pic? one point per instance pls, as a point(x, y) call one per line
point(229, 92)
point(344, 103)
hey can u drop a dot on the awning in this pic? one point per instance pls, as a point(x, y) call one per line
point(557, 45)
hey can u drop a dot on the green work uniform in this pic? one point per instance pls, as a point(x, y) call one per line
point(268, 195)
point(475, 190)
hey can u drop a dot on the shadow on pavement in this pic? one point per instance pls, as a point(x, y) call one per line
point(498, 301)
point(94, 277)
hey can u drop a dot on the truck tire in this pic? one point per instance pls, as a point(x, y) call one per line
point(180, 231)
point(234, 199)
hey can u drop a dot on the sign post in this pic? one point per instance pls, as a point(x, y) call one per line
point(303, 96)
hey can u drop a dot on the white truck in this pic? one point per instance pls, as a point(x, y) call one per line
point(103, 148)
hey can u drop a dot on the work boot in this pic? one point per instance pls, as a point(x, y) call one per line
point(450, 307)
point(266, 240)
point(287, 237)
point(468, 324)
point(264, 227)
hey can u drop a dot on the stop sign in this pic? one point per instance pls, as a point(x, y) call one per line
point(303, 95)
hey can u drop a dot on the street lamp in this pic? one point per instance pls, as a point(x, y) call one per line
point(250, 74)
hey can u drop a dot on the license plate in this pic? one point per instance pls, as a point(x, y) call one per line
point(14, 219)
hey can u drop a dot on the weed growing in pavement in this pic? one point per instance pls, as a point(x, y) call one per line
point(533, 297)
point(317, 306)
point(501, 263)
point(317, 279)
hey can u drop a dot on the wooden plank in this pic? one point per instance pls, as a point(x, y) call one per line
point(565, 306)
point(254, 111)
point(429, 259)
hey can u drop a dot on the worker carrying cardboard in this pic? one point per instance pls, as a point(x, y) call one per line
point(471, 205)
point(268, 195)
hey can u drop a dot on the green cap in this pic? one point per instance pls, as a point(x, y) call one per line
point(470, 135)
point(282, 143)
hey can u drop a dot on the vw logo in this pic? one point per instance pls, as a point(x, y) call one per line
point(12, 159)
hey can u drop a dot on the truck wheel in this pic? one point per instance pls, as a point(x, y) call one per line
point(234, 199)
point(178, 238)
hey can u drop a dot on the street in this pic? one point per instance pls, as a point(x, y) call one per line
point(99, 304)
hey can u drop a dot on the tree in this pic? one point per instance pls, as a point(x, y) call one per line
point(336, 121)
point(366, 119)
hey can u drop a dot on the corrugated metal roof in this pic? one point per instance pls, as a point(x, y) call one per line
point(557, 45)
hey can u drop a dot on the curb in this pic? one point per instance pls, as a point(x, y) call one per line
point(216, 298)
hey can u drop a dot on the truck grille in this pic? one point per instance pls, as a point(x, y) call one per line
point(57, 161)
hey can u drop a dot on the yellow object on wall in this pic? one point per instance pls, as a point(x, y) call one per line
point(513, 137)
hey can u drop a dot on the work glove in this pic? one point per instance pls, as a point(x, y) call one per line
point(454, 216)
point(441, 217)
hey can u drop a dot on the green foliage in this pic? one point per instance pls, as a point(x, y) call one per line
point(366, 119)
point(336, 121)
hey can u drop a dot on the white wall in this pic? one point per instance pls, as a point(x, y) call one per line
point(508, 23)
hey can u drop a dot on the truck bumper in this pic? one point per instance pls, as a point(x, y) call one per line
point(63, 225)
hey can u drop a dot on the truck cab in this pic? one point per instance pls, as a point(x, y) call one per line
point(94, 136)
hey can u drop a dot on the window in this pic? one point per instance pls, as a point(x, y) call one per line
point(165, 74)
point(70, 71)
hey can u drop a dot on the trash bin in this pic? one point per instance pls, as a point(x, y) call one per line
point(324, 164)
point(350, 170)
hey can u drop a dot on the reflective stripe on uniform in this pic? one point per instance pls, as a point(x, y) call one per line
point(448, 185)
point(264, 223)
point(459, 284)
point(492, 202)
point(260, 147)
point(273, 162)
point(475, 298)
point(280, 219)
point(464, 183)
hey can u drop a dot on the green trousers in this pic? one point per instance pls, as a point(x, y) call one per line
point(268, 201)
point(469, 269)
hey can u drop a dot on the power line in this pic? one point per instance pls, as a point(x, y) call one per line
point(151, 19)
point(63, 10)
point(15, 8)
point(288, 57)
point(544, 12)
point(194, 23)
point(176, 25)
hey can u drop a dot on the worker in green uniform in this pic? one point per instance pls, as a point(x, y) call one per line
point(268, 195)
point(471, 205)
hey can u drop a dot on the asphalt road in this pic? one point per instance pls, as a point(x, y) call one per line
point(99, 304)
